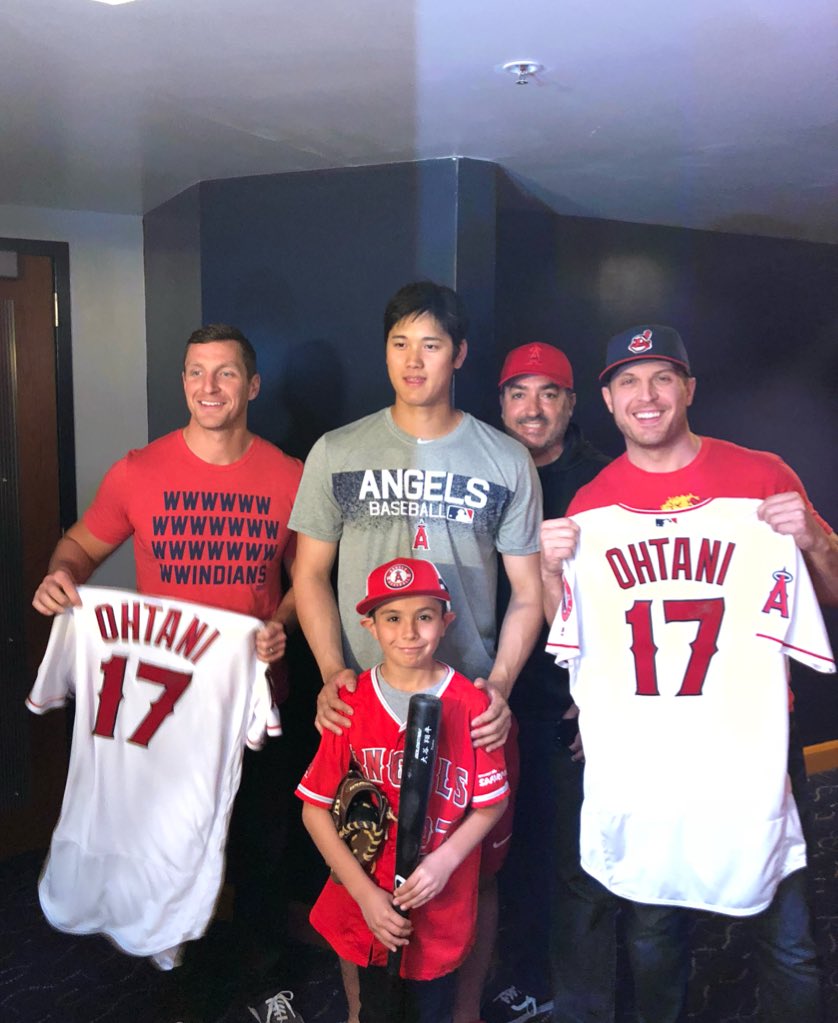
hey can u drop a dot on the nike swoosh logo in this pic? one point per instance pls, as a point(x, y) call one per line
point(503, 841)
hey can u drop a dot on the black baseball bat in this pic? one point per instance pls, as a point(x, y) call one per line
point(421, 740)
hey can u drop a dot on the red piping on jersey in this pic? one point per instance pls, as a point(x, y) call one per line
point(800, 650)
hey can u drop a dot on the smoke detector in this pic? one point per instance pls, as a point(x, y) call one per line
point(523, 70)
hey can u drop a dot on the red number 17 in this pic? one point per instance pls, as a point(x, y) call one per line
point(174, 683)
point(708, 613)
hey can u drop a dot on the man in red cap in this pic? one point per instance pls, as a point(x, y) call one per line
point(537, 401)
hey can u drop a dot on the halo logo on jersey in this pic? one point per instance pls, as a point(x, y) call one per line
point(420, 539)
point(778, 598)
point(641, 342)
point(398, 576)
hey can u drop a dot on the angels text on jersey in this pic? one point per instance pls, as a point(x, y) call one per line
point(451, 785)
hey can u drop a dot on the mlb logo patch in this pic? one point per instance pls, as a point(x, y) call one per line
point(461, 514)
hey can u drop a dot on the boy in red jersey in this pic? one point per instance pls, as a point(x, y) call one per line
point(406, 609)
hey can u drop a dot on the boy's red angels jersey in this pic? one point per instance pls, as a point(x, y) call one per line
point(167, 694)
point(675, 627)
point(465, 777)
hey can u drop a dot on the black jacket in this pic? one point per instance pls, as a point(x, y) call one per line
point(542, 689)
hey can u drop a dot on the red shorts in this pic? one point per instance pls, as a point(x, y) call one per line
point(496, 843)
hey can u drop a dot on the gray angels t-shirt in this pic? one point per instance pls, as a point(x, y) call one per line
point(455, 500)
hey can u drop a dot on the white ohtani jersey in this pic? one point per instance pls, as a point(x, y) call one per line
point(167, 695)
point(675, 627)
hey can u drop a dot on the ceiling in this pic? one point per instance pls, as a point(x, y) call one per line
point(719, 114)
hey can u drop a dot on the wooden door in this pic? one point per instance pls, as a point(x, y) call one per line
point(33, 751)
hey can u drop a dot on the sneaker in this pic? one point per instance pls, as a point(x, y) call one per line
point(512, 1005)
point(275, 1008)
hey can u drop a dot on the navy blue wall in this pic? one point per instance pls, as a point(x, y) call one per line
point(172, 255)
point(304, 264)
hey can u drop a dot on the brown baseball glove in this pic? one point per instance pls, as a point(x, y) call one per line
point(361, 812)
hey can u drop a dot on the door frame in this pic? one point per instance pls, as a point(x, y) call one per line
point(59, 252)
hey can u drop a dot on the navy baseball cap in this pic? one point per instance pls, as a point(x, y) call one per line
point(648, 341)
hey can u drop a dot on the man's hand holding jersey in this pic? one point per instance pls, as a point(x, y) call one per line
point(559, 538)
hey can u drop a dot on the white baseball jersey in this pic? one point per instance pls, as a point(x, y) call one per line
point(675, 627)
point(167, 694)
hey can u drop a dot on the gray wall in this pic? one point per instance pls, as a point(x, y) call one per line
point(108, 342)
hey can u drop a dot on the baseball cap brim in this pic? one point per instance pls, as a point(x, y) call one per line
point(608, 372)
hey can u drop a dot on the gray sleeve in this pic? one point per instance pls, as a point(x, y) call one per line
point(520, 526)
point(316, 513)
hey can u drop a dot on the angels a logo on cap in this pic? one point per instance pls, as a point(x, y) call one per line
point(641, 342)
point(534, 355)
point(398, 576)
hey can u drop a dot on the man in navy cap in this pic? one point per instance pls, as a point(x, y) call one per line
point(648, 387)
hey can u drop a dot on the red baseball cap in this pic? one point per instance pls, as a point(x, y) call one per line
point(403, 577)
point(538, 359)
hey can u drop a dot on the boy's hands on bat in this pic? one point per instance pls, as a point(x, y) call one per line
point(389, 926)
point(427, 880)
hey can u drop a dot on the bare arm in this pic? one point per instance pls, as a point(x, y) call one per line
point(433, 872)
point(789, 514)
point(77, 554)
point(271, 639)
point(518, 633)
point(389, 926)
point(317, 610)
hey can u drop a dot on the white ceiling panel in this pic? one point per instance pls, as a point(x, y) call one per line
point(722, 114)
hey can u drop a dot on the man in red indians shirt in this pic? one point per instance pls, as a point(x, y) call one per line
point(648, 388)
point(207, 507)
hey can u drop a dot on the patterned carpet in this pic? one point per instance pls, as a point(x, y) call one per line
point(48, 977)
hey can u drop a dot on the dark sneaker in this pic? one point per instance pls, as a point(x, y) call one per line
point(512, 1005)
point(275, 1008)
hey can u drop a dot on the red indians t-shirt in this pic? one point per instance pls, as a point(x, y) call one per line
point(720, 469)
point(465, 777)
point(215, 534)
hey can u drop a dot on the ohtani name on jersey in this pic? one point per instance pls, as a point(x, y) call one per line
point(664, 557)
point(428, 485)
point(379, 764)
point(141, 622)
